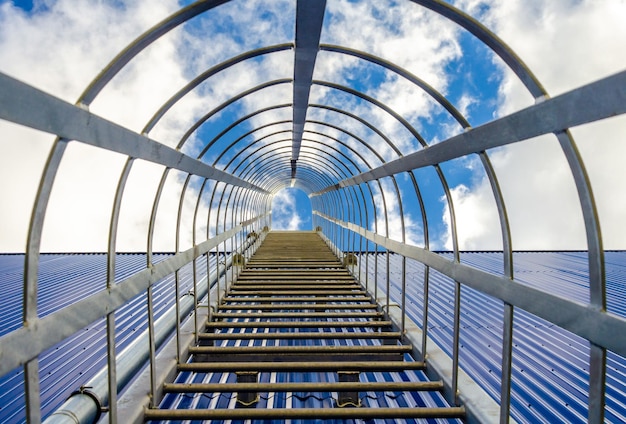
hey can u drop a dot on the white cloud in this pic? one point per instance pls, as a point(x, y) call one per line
point(408, 35)
point(566, 44)
point(60, 48)
point(389, 221)
point(286, 215)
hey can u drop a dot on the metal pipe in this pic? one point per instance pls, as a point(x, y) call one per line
point(85, 406)
point(304, 387)
point(297, 413)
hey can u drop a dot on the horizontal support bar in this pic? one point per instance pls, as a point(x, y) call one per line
point(598, 100)
point(316, 283)
point(204, 367)
point(249, 292)
point(584, 320)
point(266, 290)
point(300, 357)
point(302, 413)
point(298, 324)
point(299, 315)
point(406, 386)
point(304, 272)
point(25, 105)
point(308, 277)
point(242, 299)
point(274, 265)
point(26, 343)
point(295, 306)
point(361, 335)
point(235, 350)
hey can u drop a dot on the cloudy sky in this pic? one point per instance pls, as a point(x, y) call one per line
point(60, 46)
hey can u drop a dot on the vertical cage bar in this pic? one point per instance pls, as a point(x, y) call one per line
point(507, 362)
point(456, 342)
point(152, 347)
point(425, 312)
point(388, 280)
point(403, 326)
point(196, 324)
point(177, 309)
point(111, 367)
point(31, 387)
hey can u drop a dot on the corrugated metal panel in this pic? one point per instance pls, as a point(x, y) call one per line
point(64, 279)
point(550, 375)
point(303, 400)
point(550, 365)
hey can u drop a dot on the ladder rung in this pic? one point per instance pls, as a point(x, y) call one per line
point(317, 366)
point(258, 265)
point(296, 272)
point(276, 279)
point(297, 324)
point(302, 413)
point(361, 335)
point(272, 287)
point(242, 299)
point(278, 354)
point(295, 306)
point(405, 386)
point(234, 350)
point(248, 292)
point(295, 281)
point(222, 315)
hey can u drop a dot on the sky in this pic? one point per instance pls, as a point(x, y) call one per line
point(59, 46)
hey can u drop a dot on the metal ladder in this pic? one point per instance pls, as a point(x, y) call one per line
point(295, 310)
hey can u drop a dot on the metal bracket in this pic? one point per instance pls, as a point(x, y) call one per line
point(84, 390)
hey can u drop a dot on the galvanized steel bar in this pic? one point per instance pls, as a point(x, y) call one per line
point(85, 408)
point(209, 73)
point(144, 40)
point(39, 110)
point(26, 343)
point(599, 327)
point(601, 99)
point(297, 324)
point(31, 391)
point(203, 367)
point(309, 19)
point(488, 38)
point(31, 273)
point(303, 387)
point(303, 413)
point(507, 362)
point(151, 347)
point(597, 273)
point(308, 335)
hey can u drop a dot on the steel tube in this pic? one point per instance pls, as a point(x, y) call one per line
point(303, 387)
point(203, 367)
point(301, 336)
point(587, 321)
point(303, 413)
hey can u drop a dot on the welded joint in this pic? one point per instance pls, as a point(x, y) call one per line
point(247, 399)
point(84, 390)
point(350, 259)
point(345, 399)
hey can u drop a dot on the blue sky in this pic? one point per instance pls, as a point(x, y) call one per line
point(566, 43)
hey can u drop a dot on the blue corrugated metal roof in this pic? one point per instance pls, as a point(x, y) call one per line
point(64, 279)
point(550, 365)
point(550, 375)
